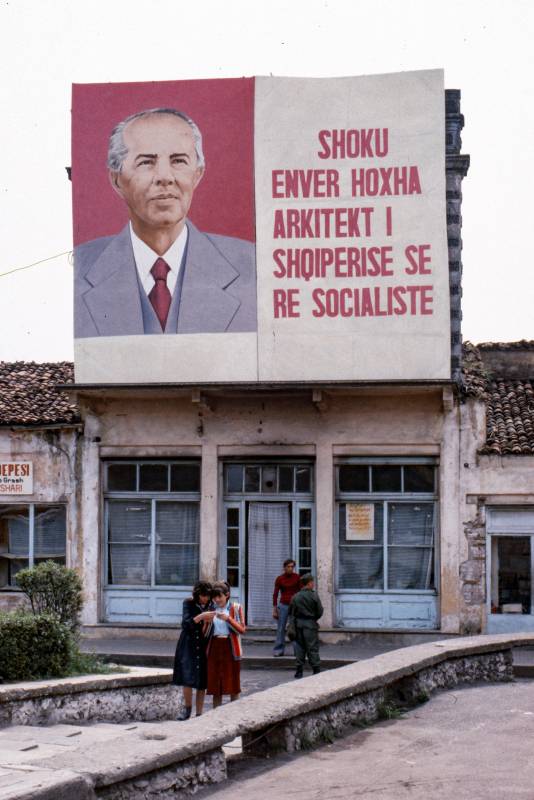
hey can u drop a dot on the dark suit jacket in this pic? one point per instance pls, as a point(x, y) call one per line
point(218, 291)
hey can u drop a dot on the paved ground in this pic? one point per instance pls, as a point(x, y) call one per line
point(20, 745)
point(472, 743)
point(160, 653)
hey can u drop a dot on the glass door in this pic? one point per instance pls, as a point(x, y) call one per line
point(268, 516)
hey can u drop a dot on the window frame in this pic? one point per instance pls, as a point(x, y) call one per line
point(386, 498)
point(31, 536)
point(153, 497)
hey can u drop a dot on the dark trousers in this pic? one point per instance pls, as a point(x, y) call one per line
point(307, 644)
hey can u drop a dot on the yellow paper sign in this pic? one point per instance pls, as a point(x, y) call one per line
point(360, 522)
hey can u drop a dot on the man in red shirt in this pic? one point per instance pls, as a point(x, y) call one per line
point(286, 585)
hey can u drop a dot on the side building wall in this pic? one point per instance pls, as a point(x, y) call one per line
point(487, 481)
point(53, 453)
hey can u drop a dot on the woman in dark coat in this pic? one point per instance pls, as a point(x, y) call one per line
point(190, 669)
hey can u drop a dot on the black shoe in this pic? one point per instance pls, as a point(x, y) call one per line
point(298, 674)
point(186, 713)
point(316, 670)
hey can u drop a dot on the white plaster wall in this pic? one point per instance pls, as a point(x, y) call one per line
point(53, 454)
point(372, 422)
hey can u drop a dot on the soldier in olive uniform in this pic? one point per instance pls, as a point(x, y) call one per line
point(305, 610)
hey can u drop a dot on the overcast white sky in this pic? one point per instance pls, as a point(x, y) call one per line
point(485, 46)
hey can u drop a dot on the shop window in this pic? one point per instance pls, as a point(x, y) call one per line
point(511, 575)
point(419, 478)
point(185, 477)
point(361, 562)
point(153, 478)
point(410, 545)
point(234, 478)
point(386, 479)
point(353, 478)
point(153, 541)
point(267, 479)
point(177, 537)
point(30, 534)
point(122, 477)
point(386, 543)
point(285, 479)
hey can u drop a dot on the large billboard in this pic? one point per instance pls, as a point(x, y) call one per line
point(261, 230)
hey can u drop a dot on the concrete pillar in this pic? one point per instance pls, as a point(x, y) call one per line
point(209, 512)
point(450, 527)
point(324, 529)
point(91, 526)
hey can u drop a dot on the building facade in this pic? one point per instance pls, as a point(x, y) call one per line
point(497, 487)
point(409, 500)
point(39, 428)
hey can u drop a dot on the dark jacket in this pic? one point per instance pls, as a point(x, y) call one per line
point(306, 608)
point(190, 667)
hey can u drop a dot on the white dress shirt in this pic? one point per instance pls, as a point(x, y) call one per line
point(145, 259)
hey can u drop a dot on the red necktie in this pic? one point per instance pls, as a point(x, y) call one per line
point(159, 296)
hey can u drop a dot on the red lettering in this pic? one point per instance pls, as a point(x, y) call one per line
point(389, 221)
point(323, 139)
point(286, 303)
point(417, 258)
point(277, 183)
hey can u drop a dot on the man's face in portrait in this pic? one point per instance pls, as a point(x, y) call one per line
point(159, 173)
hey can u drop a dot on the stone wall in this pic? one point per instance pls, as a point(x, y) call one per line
point(326, 724)
point(108, 698)
point(176, 759)
point(178, 781)
point(473, 574)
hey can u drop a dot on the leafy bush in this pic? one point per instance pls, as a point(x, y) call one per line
point(53, 589)
point(33, 646)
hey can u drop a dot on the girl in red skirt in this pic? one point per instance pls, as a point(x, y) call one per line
point(224, 646)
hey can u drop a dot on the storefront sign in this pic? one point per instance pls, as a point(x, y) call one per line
point(360, 522)
point(274, 229)
point(16, 477)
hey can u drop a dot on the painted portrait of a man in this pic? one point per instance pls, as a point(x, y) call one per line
point(160, 274)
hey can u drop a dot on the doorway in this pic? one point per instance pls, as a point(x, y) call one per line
point(510, 570)
point(268, 516)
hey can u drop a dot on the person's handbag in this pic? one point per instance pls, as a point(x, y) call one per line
point(291, 629)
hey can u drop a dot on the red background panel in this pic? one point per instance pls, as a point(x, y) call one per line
point(224, 111)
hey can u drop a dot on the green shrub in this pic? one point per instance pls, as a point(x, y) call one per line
point(33, 646)
point(54, 589)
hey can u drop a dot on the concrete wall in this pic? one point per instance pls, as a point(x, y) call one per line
point(53, 452)
point(369, 422)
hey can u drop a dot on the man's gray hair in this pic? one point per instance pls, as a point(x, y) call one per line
point(117, 150)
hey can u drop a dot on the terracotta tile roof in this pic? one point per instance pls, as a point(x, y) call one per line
point(509, 402)
point(28, 395)
point(509, 418)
